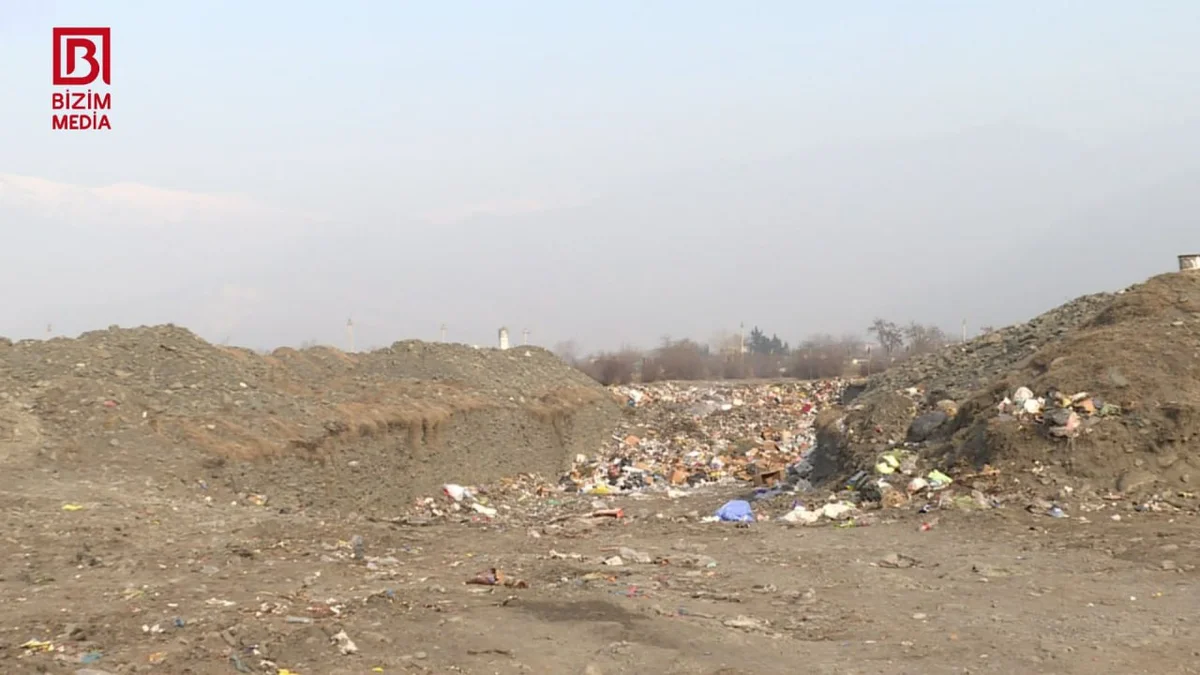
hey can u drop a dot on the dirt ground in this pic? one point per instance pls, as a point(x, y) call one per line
point(169, 506)
point(150, 577)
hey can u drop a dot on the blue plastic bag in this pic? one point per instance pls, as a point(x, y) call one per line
point(736, 511)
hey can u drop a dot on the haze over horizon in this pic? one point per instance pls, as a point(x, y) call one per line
point(608, 173)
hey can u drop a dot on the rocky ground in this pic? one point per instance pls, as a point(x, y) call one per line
point(174, 507)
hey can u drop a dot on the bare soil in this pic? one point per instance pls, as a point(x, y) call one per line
point(149, 578)
point(173, 507)
point(313, 428)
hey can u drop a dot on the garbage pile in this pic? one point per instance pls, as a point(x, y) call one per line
point(1113, 404)
point(922, 401)
point(1063, 416)
point(681, 436)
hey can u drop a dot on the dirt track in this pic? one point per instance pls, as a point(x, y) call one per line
point(993, 592)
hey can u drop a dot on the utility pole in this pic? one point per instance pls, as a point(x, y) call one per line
point(443, 332)
point(525, 338)
point(350, 334)
point(964, 330)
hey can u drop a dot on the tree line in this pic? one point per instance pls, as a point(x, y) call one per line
point(757, 355)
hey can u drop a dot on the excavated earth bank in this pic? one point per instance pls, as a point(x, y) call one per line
point(312, 428)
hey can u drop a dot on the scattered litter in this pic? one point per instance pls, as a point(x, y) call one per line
point(736, 511)
point(494, 577)
point(344, 644)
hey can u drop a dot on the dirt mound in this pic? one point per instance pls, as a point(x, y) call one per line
point(314, 427)
point(1131, 378)
point(918, 402)
point(958, 370)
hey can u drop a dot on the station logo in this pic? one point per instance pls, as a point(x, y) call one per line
point(82, 100)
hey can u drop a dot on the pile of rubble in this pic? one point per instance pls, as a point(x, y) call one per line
point(1121, 397)
point(1063, 416)
point(687, 435)
point(918, 402)
point(1100, 392)
point(674, 437)
point(958, 370)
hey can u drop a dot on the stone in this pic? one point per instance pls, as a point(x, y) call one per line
point(1134, 479)
point(924, 425)
point(1116, 378)
point(1167, 459)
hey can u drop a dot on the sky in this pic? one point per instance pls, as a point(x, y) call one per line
point(609, 173)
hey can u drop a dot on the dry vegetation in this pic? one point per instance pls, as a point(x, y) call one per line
point(760, 356)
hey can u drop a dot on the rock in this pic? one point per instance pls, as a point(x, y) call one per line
point(924, 425)
point(1134, 479)
point(747, 623)
point(1167, 459)
point(1116, 378)
point(897, 561)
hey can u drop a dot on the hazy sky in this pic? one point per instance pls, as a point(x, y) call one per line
point(609, 172)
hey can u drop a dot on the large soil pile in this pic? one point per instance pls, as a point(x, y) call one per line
point(878, 414)
point(958, 370)
point(1115, 381)
point(315, 427)
point(1133, 372)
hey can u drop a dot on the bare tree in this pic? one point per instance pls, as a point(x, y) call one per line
point(924, 339)
point(888, 334)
